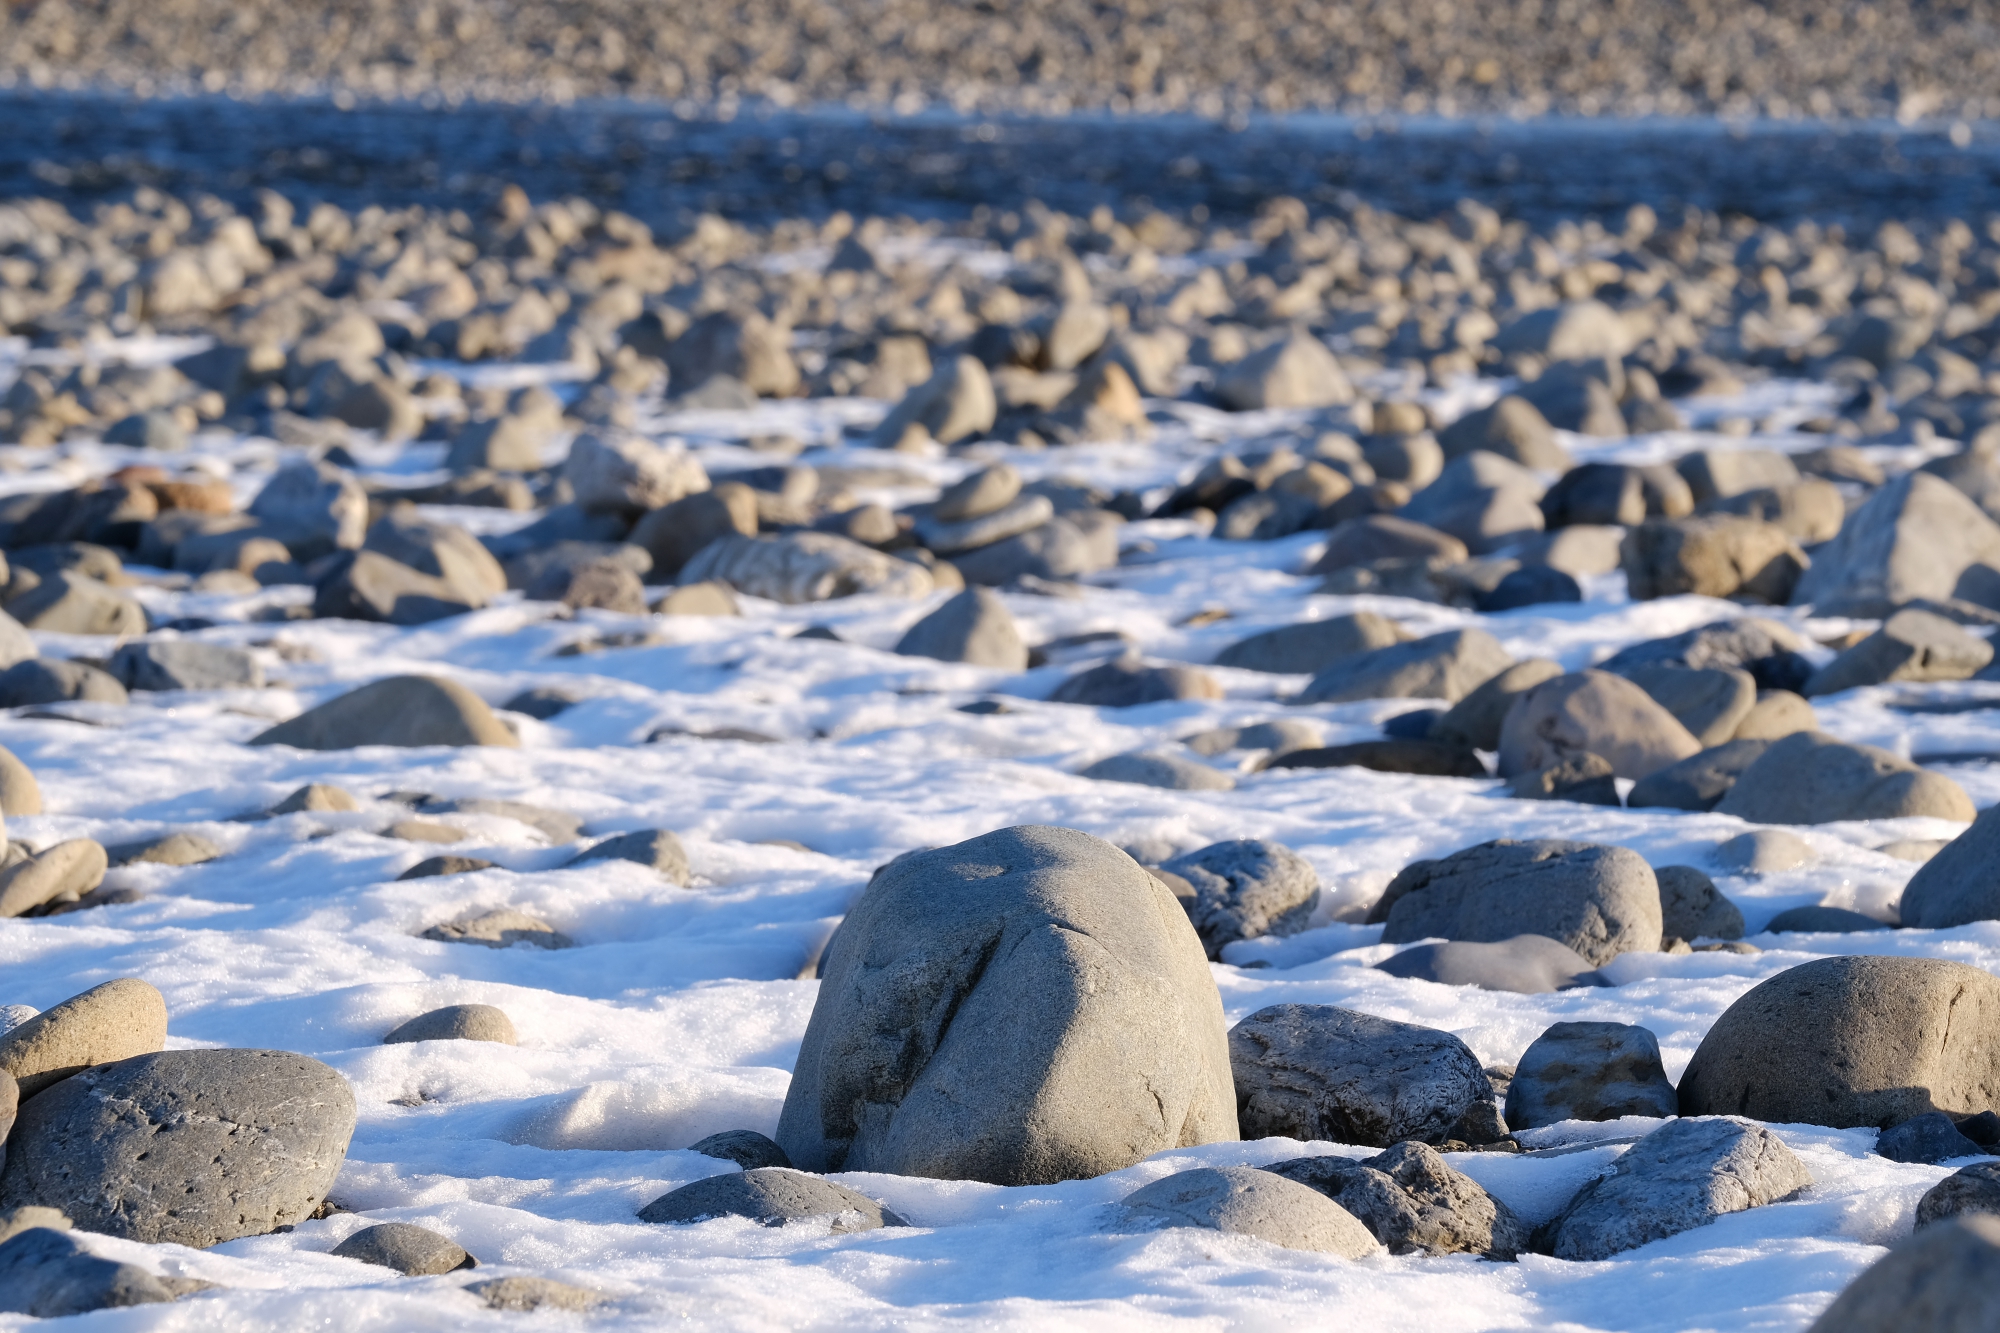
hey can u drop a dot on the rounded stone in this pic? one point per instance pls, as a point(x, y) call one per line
point(1525, 965)
point(773, 1196)
point(399, 711)
point(1589, 1071)
point(413, 1251)
point(457, 1022)
point(107, 1023)
point(1244, 1201)
point(745, 1147)
point(1944, 1279)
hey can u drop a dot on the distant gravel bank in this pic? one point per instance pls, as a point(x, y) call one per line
point(1788, 58)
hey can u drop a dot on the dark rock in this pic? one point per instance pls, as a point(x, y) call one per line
point(39, 681)
point(412, 1251)
point(1827, 920)
point(1429, 758)
point(46, 1273)
point(1929, 1138)
point(1585, 779)
point(745, 1147)
point(1531, 585)
point(1413, 1202)
point(773, 1196)
point(1589, 1071)
point(1129, 682)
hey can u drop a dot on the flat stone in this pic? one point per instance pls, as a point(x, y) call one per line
point(1245, 888)
point(173, 849)
point(555, 825)
point(1128, 682)
point(457, 1022)
point(1692, 908)
point(1944, 1279)
point(1589, 1071)
point(413, 1251)
point(1525, 965)
point(1023, 514)
point(1413, 1202)
point(1245, 1201)
point(1316, 1072)
point(658, 849)
point(499, 929)
point(1764, 852)
point(1313, 645)
point(1599, 901)
point(1279, 736)
point(1912, 645)
point(1681, 1176)
point(774, 1196)
point(745, 1147)
point(108, 1023)
point(1445, 666)
point(525, 1294)
point(400, 711)
point(801, 567)
point(1813, 778)
point(1769, 651)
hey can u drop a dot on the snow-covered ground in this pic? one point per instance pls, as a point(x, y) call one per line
point(678, 1015)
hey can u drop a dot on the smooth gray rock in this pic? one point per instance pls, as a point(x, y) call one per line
point(374, 587)
point(1445, 666)
point(1944, 1279)
point(1715, 474)
point(1129, 682)
point(49, 680)
point(771, 1195)
point(1852, 1041)
point(1025, 1007)
point(1316, 1072)
point(1295, 371)
point(955, 402)
point(657, 848)
point(439, 550)
point(983, 492)
point(1810, 777)
point(625, 473)
point(1413, 1202)
point(1916, 537)
point(1023, 514)
point(1313, 645)
point(1586, 779)
point(1822, 920)
point(1591, 712)
point(1589, 1071)
point(975, 627)
point(800, 567)
point(47, 1273)
point(1928, 1138)
point(745, 1147)
point(1692, 908)
point(16, 644)
point(1681, 1176)
point(1279, 737)
point(110, 1022)
point(184, 1147)
point(1513, 428)
point(1244, 1201)
point(1599, 901)
point(1525, 965)
point(1711, 702)
point(431, 867)
point(185, 664)
point(1067, 547)
point(60, 874)
point(1156, 768)
point(1970, 1189)
point(400, 710)
point(1912, 645)
point(1700, 781)
point(457, 1022)
point(1764, 851)
point(1482, 499)
point(1246, 888)
point(413, 1251)
point(1363, 541)
point(1769, 651)
point(1424, 757)
point(1476, 719)
point(71, 602)
point(173, 849)
point(1961, 884)
point(525, 1294)
point(313, 508)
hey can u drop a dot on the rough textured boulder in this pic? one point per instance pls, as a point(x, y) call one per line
point(1445, 666)
point(1944, 1279)
point(1025, 1007)
point(1295, 371)
point(1476, 719)
point(1246, 888)
point(1313, 645)
point(1716, 555)
point(1929, 1138)
point(1315, 1072)
point(1129, 682)
point(1853, 1041)
point(1700, 781)
point(624, 473)
point(1244, 1201)
point(1599, 901)
point(413, 1251)
point(1810, 777)
point(1691, 907)
point(803, 567)
point(401, 710)
point(1525, 964)
point(1917, 537)
point(1413, 1202)
point(457, 1022)
point(1681, 1176)
point(184, 1147)
point(45, 1272)
point(1970, 1189)
point(1961, 884)
point(1912, 645)
point(771, 1195)
point(973, 627)
point(115, 1021)
point(1591, 712)
point(1589, 1071)
point(1711, 702)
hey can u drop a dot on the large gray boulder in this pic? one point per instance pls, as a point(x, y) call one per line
point(1591, 712)
point(1244, 1201)
point(1313, 645)
point(772, 1195)
point(1853, 1041)
point(1316, 1072)
point(1513, 428)
point(1681, 1176)
point(1246, 888)
point(801, 567)
point(1599, 901)
point(1911, 645)
point(184, 1147)
point(1589, 1071)
point(1445, 666)
point(1810, 777)
point(1917, 537)
point(975, 627)
point(401, 710)
point(1525, 965)
point(1961, 884)
point(622, 473)
point(313, 508)
point(1944, 1279)
point(1025, 1007)
point(47, 1273)
point(71, 602)
point(1413, 1202)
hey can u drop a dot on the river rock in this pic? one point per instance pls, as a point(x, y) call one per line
point(656, 848)
point(185, 664)
point(1363, 541)
point(372, 586)
point(1717, 555)
point(501, 928)
point(1483, 500)
point(1245, 1201)
point(1770, 652)
point(1476, 719)
point(1821, 920)
point(1530, 585)
point(1525, 965)
point(955, 402)
point(1681, 1176)
point(1764, 852)
point(1810, 509)
point(1912, 645)
point(1313, 645)
point(800, 567)
point(1413, 1202)
point(1928, 1138)
point(525, 1294)
point(1591, 712)
point(70, 602)
point(1616, 495)
point(115, 1021)
point(413, 1251)
point(1692, 908)
point(1128, 682)
point(773, 1196)
point(317, 797)
point(745, 1147)
point(47, 1273)
point(983, 492)
point(1711, 702)
point(1961, 884)
point(1512, 428)
point(1714, 474)
point(1244, 889)
point(1280, 736)
point(1970, 1189)
point(1586, 779)
point(1776, 714)
point(1589, 1071)
point(400, 711)
point(974, 627)
point(41, 680)
point(1916, 537)
point(1158, 768)
point(1574, 330)
point(1813, 778)
point(1445, 666)
point(457, 1022)
point(674, 533)
point(439, 550)
point(1599, 901)
point(1944, 1279)
point(623, 473)
point(1852, 1041)
point(431, 867)
point(1315, 1072)
point(63, 873)
point(1026, 1007)
point(256, 1139)
point(1700, 781)
point(1295, 371)
point(313, 508)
